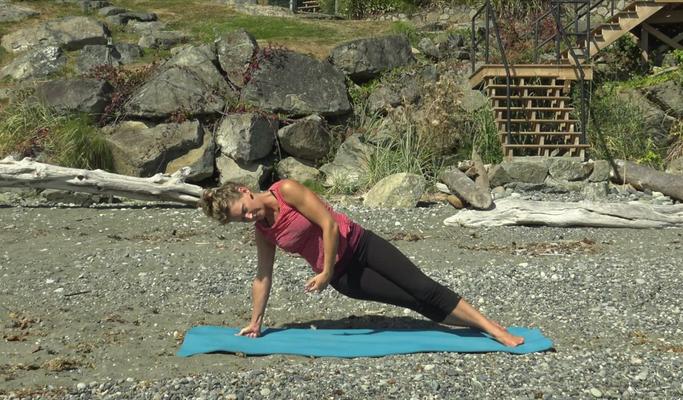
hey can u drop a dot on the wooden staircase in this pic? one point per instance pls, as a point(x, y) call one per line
point(628, 18)
point(541, 116)
point(309, 6)
point(541, 122)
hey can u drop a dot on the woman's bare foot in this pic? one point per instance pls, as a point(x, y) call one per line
point(503, 336)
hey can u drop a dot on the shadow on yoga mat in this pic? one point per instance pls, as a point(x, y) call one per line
point(347, 343)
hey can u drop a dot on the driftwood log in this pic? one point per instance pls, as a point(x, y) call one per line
point(462, 186)
point(641, 177)
point(31, 174)
point(587, 214)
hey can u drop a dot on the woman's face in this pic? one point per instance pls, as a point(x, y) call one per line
point(247, 208)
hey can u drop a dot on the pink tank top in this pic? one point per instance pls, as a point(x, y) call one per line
point(294, 233)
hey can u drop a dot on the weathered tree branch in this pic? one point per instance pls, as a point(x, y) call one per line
point(603, 215)
point(642, 177)
point(31, 174)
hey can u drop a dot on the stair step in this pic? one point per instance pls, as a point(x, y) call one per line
point(546, 146)
point(538, 121)
point(541, 133)
point(502, 86)
point(518, 97)
point(534, 109)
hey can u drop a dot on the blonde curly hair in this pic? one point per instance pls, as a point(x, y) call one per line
point(216, 202)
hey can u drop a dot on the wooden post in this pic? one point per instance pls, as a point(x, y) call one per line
point(292, 5)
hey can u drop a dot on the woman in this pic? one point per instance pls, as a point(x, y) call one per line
point(355, 261)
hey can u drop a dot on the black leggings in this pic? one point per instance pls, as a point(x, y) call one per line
point(380, 272)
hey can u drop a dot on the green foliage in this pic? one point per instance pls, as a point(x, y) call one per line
point(481, 134)
point(618, 131)
point(28, 129)
point(365, 8)
point(406, 29)
point(622, 61)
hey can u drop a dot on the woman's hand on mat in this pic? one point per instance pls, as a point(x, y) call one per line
point(252, 331)
point(318, 283)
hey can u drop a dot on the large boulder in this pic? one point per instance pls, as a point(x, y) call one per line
point(291, 168)
point(364, 59)
point(70, 33)
point(188, 82)
point(601, 170)
point(34, 64)
point(669, 96)
point(296, 84)
point(349, 165)
point(128, 52)
point(75, 95)
point(235, 52)
point(526, 170)
point(246, 137)
point(308, 138)
point(96, 55)
point(124, 17)
point(139, 150)
point(401, 190)
point(15, 13)
point(200, 160)
point(568, 169)
point(251, 174)
point(163, 40)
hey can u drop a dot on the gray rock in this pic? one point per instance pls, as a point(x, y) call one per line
point(296, 84)
point(189, 82)
point(563, 185)
point(364, 59)
point(383, 98)
point(124, 18)
point(291, 168)
point(128, 52)
point(526, 171)
point(601, 170)
point(401, 190)
point(308, 138)
point(75, 95)
point(201, 160)
point(428, 48)
point(96, 55)
point(111, 10)
point(349, 165)
point(66, 197)
point(92, 5)
point(70, 33)
point(498, 176)
point(145, 27)
point(235, 52)
point(657, 122)
point(139, 150)
point(668, 96)
point(473, 100)
point(252, 175)
point(39, 62)
point(246, 137)
point(569, 169)
point(162, 39)
point(15, 13)
point(596, 191)
point(675, 166)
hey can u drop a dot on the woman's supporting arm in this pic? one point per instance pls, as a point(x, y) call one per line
point(260, 290)
point(311, 207)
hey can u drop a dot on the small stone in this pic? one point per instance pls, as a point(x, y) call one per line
point(640, 281)
point(59, 290)
point(265, 392)
point(428, 367)
point(596, 392)
point(81, 386)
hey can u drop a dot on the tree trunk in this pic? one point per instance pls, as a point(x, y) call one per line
point(30, 174)
point(641, 177)
point(463, 187)
point(602, 215)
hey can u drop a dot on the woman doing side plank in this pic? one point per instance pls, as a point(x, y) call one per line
point(353, 260)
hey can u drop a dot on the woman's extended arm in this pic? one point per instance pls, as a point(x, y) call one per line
point(261, 287)
point(311, 207)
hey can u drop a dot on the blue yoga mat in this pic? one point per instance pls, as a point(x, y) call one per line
point(348, 343)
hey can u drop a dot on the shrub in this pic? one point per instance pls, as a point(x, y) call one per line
point(618, 130)
point(28, 129)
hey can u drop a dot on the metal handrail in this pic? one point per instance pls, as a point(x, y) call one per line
point(582, 8)
point(492, 17)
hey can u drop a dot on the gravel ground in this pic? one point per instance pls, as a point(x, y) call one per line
point(94, 302)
